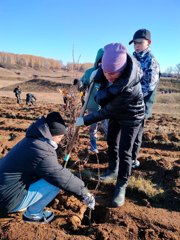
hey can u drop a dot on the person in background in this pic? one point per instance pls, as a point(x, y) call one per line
point(30, 99)
point(31, 176)
point(122, 103)
point(76, 82)
point(92, 105)
point(17, 92)
point(149, 81)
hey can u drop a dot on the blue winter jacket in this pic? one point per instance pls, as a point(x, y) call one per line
point(85, 82)
point(123, 100)
point(150, 79)
point(33, 158)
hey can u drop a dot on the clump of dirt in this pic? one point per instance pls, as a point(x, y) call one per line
point(141, 217)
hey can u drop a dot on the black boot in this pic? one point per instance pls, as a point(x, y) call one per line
point(119, 195)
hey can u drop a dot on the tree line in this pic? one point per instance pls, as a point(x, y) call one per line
point(172, 71)
point(11, 60)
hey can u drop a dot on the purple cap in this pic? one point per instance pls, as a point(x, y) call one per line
point(114, 58)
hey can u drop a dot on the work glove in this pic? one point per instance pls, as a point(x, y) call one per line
point(89, 200)
point(79, 121)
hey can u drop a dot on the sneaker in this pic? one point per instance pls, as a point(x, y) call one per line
point(108, 176)
point(46, 217)
point(135, 164)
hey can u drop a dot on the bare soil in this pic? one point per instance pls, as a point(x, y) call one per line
point(142, 217)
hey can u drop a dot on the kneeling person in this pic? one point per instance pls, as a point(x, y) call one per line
point(30, 175)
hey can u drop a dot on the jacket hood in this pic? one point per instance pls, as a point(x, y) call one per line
point(39, 129)
point(98, 57)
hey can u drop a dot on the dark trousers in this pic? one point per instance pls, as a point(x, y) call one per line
point(120, 141)
point(137, 142)
point(18, 98)
point(148, 100)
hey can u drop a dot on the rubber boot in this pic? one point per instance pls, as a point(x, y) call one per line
point(119, 195)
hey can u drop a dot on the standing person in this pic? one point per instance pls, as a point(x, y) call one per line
point(149, 81)
point(17, 92)
point(92, 105)
point(122, 103)
point(30, 175)
point(30, 99)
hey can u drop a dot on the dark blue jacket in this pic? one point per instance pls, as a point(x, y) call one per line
point(30, 97)
point(123, 100)
point(33, 158)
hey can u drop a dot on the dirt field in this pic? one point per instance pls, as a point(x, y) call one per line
point(144, 216)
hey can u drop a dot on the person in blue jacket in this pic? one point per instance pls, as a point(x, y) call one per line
point(149, 80)
point(92, 105)
point(122, 103)
point(31, 176)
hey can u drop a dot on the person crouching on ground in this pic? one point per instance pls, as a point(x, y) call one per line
point(30, 175)
point(30, 99)
point(122, 103)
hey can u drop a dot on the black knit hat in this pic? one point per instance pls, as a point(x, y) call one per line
point(141, 33)
point(56, 124)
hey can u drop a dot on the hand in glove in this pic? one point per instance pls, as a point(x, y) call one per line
point(89, 200)
point(79, 121)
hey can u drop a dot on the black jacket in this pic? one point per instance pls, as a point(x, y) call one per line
point(17, 91)
point(123, 100)
point(33, 158)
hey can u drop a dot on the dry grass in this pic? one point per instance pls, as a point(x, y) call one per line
point(55, 98)
point(5, 83)
point(172, 98)
point(146, 186)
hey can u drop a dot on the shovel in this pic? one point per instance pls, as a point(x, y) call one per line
point(71, 145)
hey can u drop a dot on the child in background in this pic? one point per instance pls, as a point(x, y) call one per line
point(92, 105)
point(149, 81)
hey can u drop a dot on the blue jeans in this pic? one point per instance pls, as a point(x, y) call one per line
point(93, 128)
point(39, 195)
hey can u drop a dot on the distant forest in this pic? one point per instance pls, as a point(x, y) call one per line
point(11, 60)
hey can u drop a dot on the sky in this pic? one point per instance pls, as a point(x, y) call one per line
point(57, 28)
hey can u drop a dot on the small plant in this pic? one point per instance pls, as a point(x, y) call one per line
point(146, 186)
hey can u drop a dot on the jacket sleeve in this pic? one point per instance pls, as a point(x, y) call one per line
point(49, 169)
point(117, 106)
point(110, 110)
point(151, 77)
point(110, 92)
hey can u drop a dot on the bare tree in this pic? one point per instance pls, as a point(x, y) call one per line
point(75, 63)
point(177, 70)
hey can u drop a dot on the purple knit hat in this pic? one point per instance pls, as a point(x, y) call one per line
point(114, 58)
